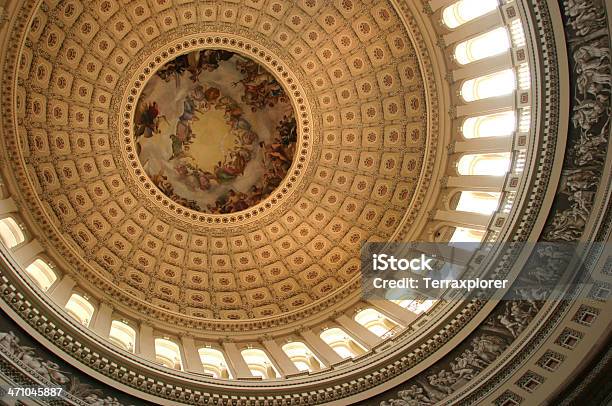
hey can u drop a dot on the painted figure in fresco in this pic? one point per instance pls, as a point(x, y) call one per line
point(258, 90)
point(210, 58)
point(204, 180)
point(181, 139)
point(276, 158)
point(189, 109)
point(287, 130)
point(147, 119)
point(205, 97)
point(173, 69)
point(228, 171)
point(195, 63)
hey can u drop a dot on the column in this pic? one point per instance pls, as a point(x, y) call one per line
point(25, 254)
point(451, 254)
point(103, 320)
point(61, 291)
point(474, 27)
point(464, 218)
point(393, 311)
point(476, 183)
point(324, 352)
point(484, 145)
point(240, 369)
point(282, 361)
point(193, 363)
point(358, 332)
point(436, 4)
point(7, 206)
point(146, 342)
point(486, 106)
point(483, 67)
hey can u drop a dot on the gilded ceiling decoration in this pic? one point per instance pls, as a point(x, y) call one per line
point(215, 131)
point(201, 176)
point(141, 143)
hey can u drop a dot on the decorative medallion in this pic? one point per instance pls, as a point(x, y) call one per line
point(215, 131)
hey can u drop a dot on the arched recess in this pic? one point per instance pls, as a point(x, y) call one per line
point(463, 11)
point(484, 164)
point(10, 232)
point(488, 86)
point(214, 363)
point(376, 322)
point(80, 309)
point(490, 125)
point(342, 343)
point(478, 202)
point(42, 274)
point(302, 357)
point(464, 234)
point(259, 364)
point(168, 353)
point(122, 335)
point(483, 46)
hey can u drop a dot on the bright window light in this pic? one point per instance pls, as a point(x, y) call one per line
point(491, 125)
point(484, 164)
point(375, 321)
point(344, 345)
point(479, 202)
point(214, 363)
point(79, 308)
point(466, 10)
point(122, 335)
point(42, 274)
point(462, 235)
point(416, 306)
point(483, 46)
point(302, 357)
point(493, 85)
point(259, 363)
point(10, 232)
point(168, 354)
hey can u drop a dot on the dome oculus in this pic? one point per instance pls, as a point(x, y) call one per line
point(215, 131)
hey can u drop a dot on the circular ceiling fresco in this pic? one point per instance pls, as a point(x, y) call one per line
point(215, 131)
point(157, 173)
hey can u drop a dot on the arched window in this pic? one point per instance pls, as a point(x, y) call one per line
point(302, 357)
point(214, 363)
point(493, 85)
point(374, 321)
point(483, 46)
point(491, 125)
point(416, 306)
point(463, 234)
point(342, 343)
point(465, 10)
point(484, 164)
point(168, 354)
point(122, 335)
point(479, 202)
point(42, 274)
point(79, 308)
point(10, 232)
point(259, 363)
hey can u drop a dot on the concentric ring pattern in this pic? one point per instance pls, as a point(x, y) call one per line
point(362, 135)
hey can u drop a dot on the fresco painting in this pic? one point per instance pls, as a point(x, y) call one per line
point(215, 131)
